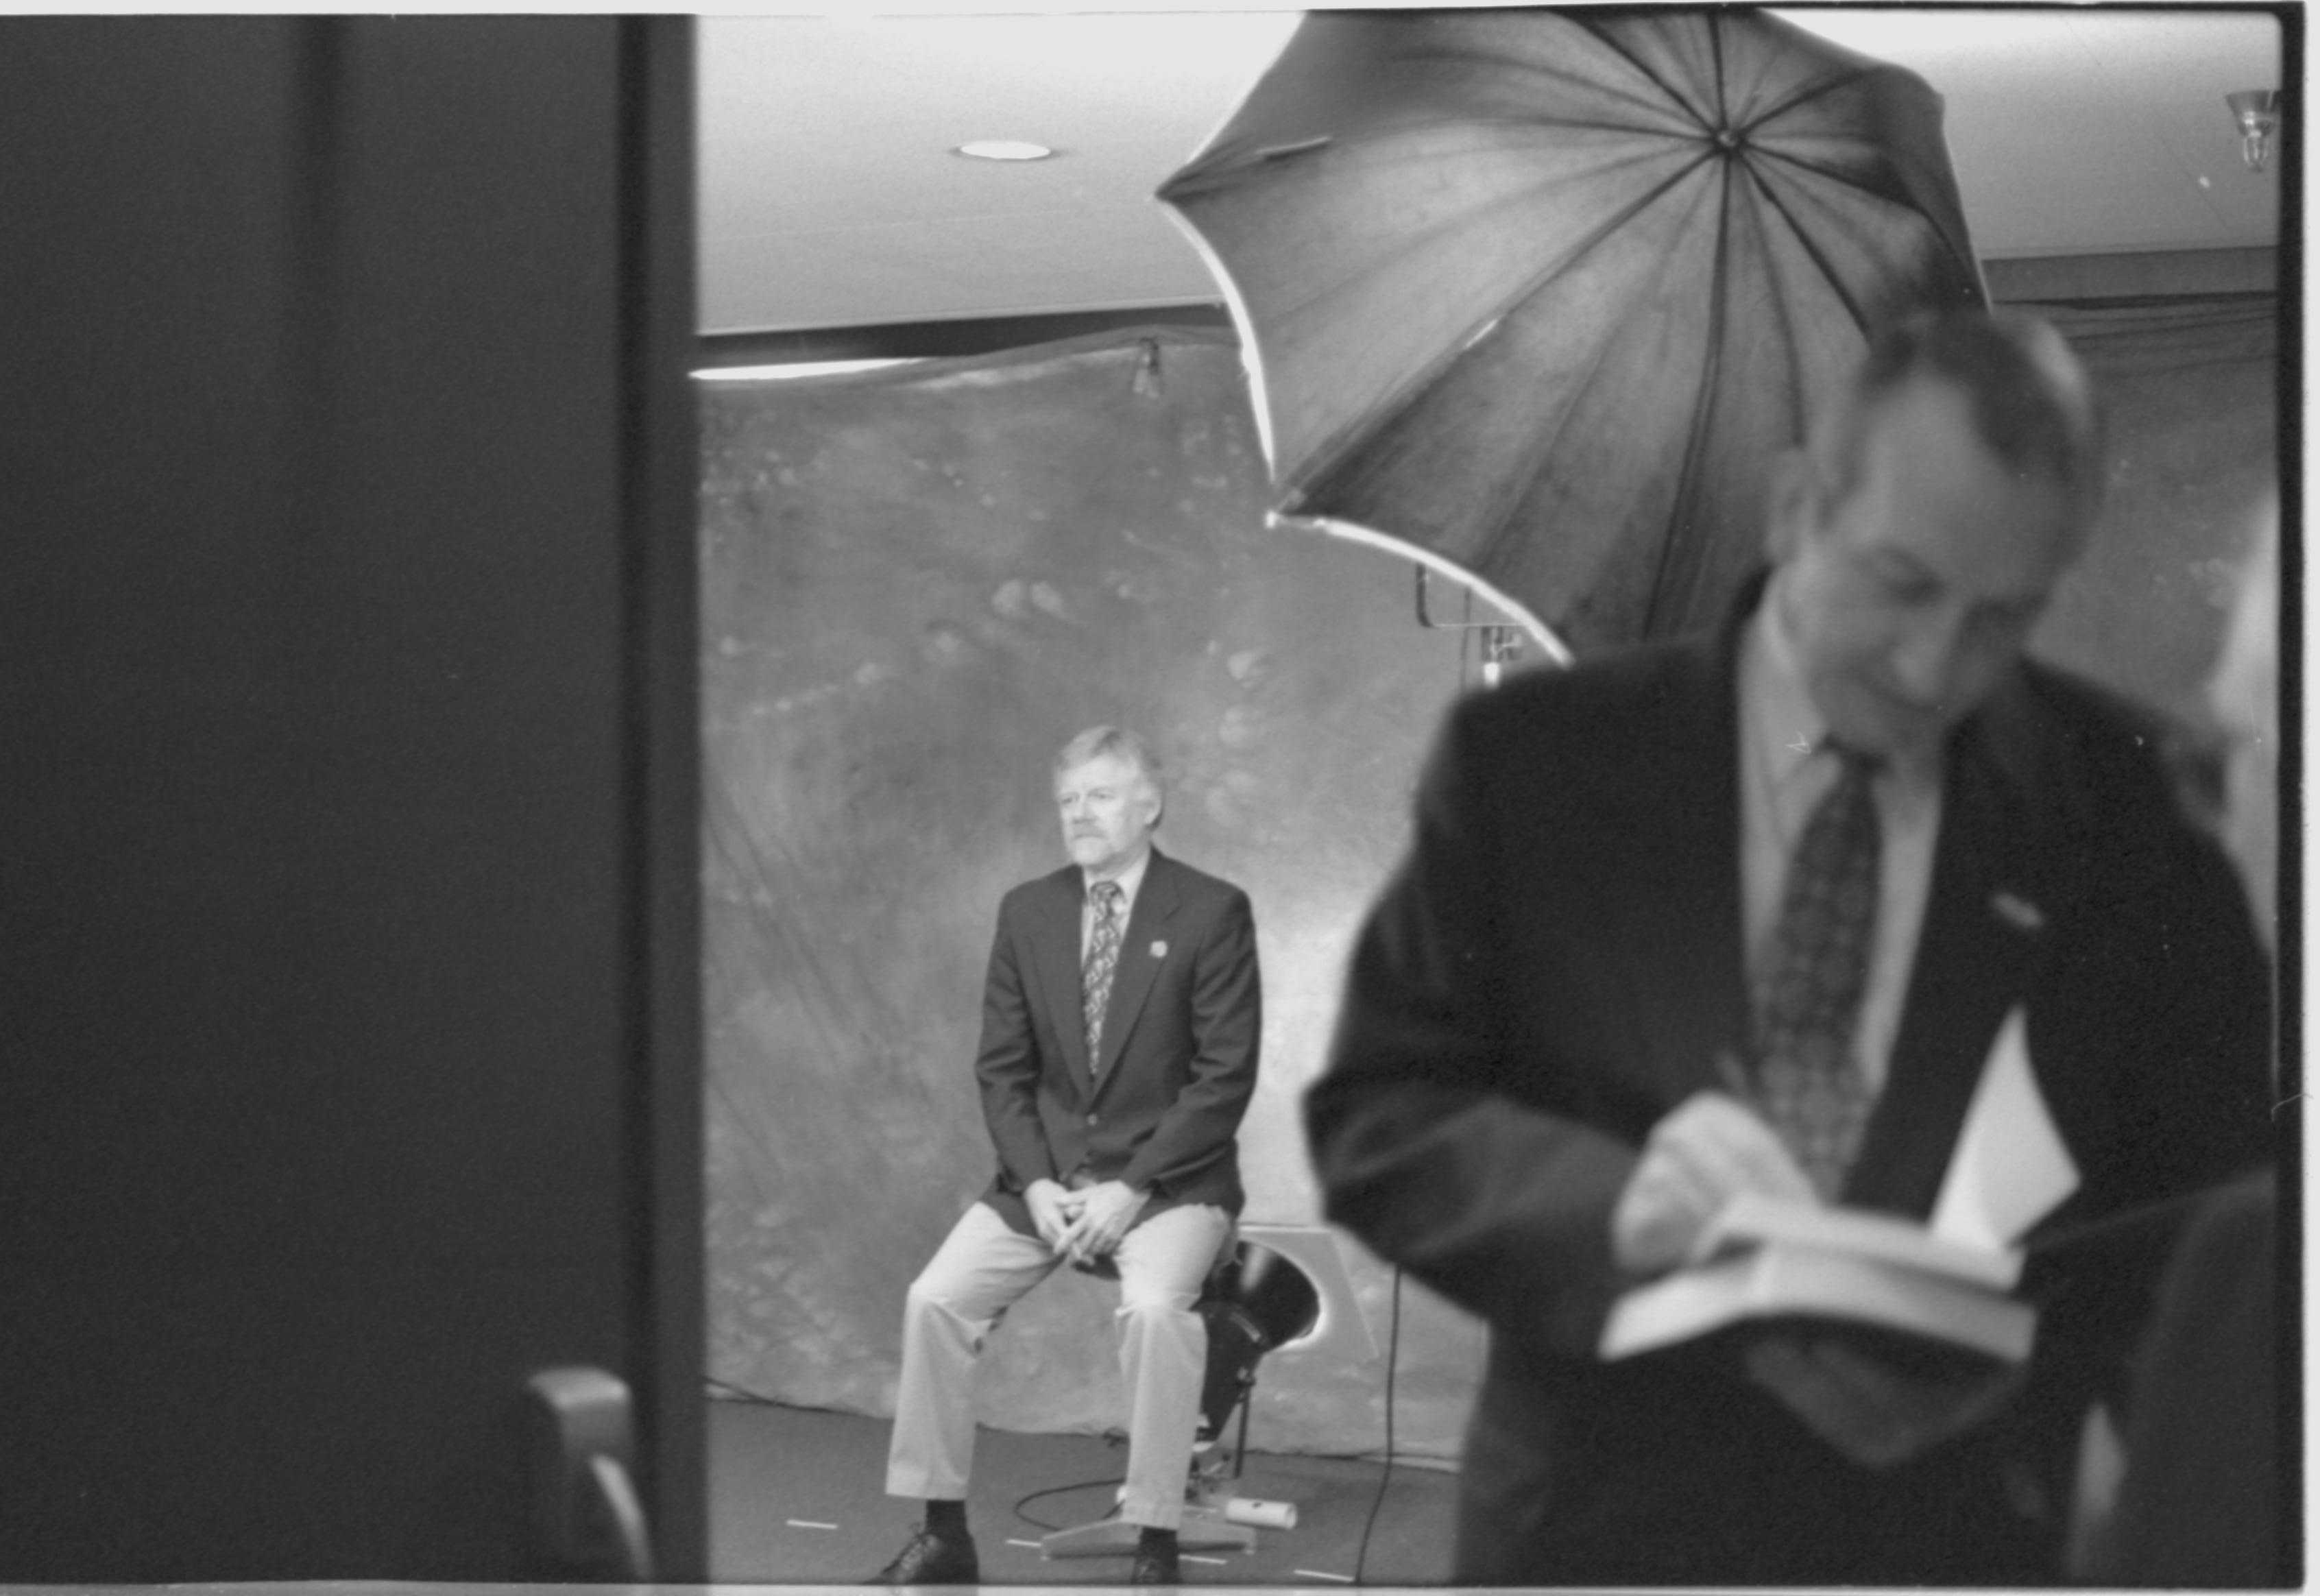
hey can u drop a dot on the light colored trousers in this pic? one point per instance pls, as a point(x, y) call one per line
point(980, 1269)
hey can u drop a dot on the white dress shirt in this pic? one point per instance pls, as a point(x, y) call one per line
point(1784, 771)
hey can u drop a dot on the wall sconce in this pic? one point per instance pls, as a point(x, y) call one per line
point(2257, 112)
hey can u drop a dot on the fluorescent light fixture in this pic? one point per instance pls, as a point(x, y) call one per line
point(734, 374)
point(1003, 149)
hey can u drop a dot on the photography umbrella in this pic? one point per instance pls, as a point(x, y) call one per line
point(1544, 291)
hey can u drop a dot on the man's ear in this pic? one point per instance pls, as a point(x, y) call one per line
point(1792, 503)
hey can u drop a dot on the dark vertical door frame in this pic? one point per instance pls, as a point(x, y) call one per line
point(663, 761)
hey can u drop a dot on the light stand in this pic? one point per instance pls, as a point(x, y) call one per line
point(1502, 643)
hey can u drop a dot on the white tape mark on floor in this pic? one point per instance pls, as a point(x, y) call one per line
point(808, 1524)
point(1315, 1574)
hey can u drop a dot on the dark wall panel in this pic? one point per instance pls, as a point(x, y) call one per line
point(319, 455)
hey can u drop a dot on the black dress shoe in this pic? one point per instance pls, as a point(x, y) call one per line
point(1155, 1565)
point(931, 1559)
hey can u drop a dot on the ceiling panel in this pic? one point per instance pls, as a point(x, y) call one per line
point(834, 136)
point(2088, 130)
point(829, 196)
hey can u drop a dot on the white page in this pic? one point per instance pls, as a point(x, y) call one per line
point(2011, 1166)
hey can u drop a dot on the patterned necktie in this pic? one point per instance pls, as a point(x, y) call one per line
point(1103, 959)
point(1809, 1002)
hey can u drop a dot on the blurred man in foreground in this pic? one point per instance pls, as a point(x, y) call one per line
point(1746, 914)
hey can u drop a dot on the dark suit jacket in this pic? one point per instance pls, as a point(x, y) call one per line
point(2208, 1452)
point(1180, 1042)
point(1558, 963)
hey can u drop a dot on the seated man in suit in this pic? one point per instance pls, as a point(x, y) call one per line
point(1120, 1044)
point(1745, 913)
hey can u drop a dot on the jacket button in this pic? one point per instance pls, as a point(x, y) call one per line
point(1094, 1119)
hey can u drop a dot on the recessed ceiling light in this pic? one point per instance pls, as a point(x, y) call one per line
point(1003, 149)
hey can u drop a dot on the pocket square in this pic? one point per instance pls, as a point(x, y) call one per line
point(2018, 912)
point(1159, 951)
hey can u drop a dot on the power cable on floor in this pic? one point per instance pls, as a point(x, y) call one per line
point(1385, 1475)
point(1022, 1503)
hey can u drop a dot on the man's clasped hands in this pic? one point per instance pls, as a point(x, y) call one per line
point(1085, 1224)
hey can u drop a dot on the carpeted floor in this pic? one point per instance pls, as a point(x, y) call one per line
point(797, 1497)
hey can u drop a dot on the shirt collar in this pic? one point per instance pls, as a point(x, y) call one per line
point(1783, 724)
point(1128, 879)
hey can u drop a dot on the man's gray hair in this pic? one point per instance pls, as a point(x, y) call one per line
point(1117, 741)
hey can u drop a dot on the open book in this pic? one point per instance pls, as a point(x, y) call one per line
point(1764, 1259)
point(1750, 1220)
point(1942, 1285)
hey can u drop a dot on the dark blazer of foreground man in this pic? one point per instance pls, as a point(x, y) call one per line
point(1537, 1008)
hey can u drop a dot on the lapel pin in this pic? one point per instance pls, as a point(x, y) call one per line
point(1159, 951)
point(2018, 912)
